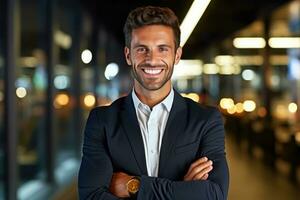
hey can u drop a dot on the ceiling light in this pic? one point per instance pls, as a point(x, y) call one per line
point(86, 56)
point(187, 69)
point(249, 60)
point(191, 19)
point(293, 107)
point(248, 74)
point(61, 82)
point(21, 92)
point(249, 105)
point(61, 100)
point(226, 103)
point(112, 69)
point(62, 39)
point(224, 60)
point(284, 42)
point(89, 100)
point(231, 110)
point(239, 107)
point(249, 43)
point(211, 68)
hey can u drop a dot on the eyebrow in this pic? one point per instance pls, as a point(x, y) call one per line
point(139, 45)
point(164, 45)
point(143, 45)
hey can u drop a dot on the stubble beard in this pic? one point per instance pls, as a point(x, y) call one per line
point(154, 86)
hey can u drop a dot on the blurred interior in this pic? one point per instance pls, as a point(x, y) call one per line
point(59, 59)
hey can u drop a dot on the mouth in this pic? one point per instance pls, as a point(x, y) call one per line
point(152, 71)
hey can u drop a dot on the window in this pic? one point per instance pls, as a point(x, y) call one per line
point(65, 100)
point(31, 84)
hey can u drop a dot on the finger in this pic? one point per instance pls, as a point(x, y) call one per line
point(205, 177)
point(197, 162)
point(199, 175)
point(198, 169)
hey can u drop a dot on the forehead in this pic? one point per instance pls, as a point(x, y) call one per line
point(153, 33)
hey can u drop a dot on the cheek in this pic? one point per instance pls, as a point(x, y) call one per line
point(138, 59)
point(172, 59)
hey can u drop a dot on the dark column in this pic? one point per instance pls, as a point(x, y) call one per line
point(102, 47)
point(94, 63)
point(50, 62)
point(269, 145)
point(12, 35)
point(76, 78)
point(267, 71)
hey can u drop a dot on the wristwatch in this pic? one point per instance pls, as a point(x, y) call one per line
point(133, 186)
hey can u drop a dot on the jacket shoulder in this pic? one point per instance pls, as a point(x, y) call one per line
point(199, 110)
point(111, 110)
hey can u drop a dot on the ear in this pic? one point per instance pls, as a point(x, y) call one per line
point(178, 55)
point(127, 55)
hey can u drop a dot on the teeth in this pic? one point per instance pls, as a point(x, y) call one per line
point(153, 71)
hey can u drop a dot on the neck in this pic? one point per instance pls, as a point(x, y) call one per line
point(152, 97)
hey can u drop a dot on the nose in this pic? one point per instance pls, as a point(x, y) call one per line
point(152, 57)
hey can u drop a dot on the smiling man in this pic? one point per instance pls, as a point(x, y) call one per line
point(153, 143)
point(152, 54)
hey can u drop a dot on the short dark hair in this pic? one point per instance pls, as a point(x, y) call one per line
point(150, 15)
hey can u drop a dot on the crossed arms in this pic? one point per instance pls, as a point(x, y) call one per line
point(206, 178)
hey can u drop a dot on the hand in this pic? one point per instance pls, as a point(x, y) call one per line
point(199, 170)
point(118, 184)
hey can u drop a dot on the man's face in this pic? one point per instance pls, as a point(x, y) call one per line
point(152, 56)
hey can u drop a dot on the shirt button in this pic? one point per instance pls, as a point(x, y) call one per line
point(152, 151)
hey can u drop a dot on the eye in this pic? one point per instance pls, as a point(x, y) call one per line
point(163, 49)
point(141, 49)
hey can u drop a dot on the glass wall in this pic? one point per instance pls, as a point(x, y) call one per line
point(259, 76)
point(284, 42)
point(65, 102)
point(31, 85)
point(34, 154)
point(46, 159)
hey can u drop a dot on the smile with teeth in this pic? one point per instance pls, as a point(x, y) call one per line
point(152, 71)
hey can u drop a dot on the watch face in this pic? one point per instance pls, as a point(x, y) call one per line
point(133, 185)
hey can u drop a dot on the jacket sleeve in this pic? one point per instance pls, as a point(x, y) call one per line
point(216, 187)
point(96, 168)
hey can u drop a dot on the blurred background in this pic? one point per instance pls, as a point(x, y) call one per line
point(61, 58)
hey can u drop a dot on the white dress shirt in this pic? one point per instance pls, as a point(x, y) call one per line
point(152, 124)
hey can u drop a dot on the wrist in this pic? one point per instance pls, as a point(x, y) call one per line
point(133, 186)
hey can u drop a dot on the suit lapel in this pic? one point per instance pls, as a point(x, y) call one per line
point(132, 129)
point(175, 125)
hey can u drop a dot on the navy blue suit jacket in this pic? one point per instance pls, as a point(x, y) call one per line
point(113, 143)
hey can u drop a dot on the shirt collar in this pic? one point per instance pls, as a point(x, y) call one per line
point(167, 102)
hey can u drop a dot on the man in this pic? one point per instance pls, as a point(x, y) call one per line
point(153, 143)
